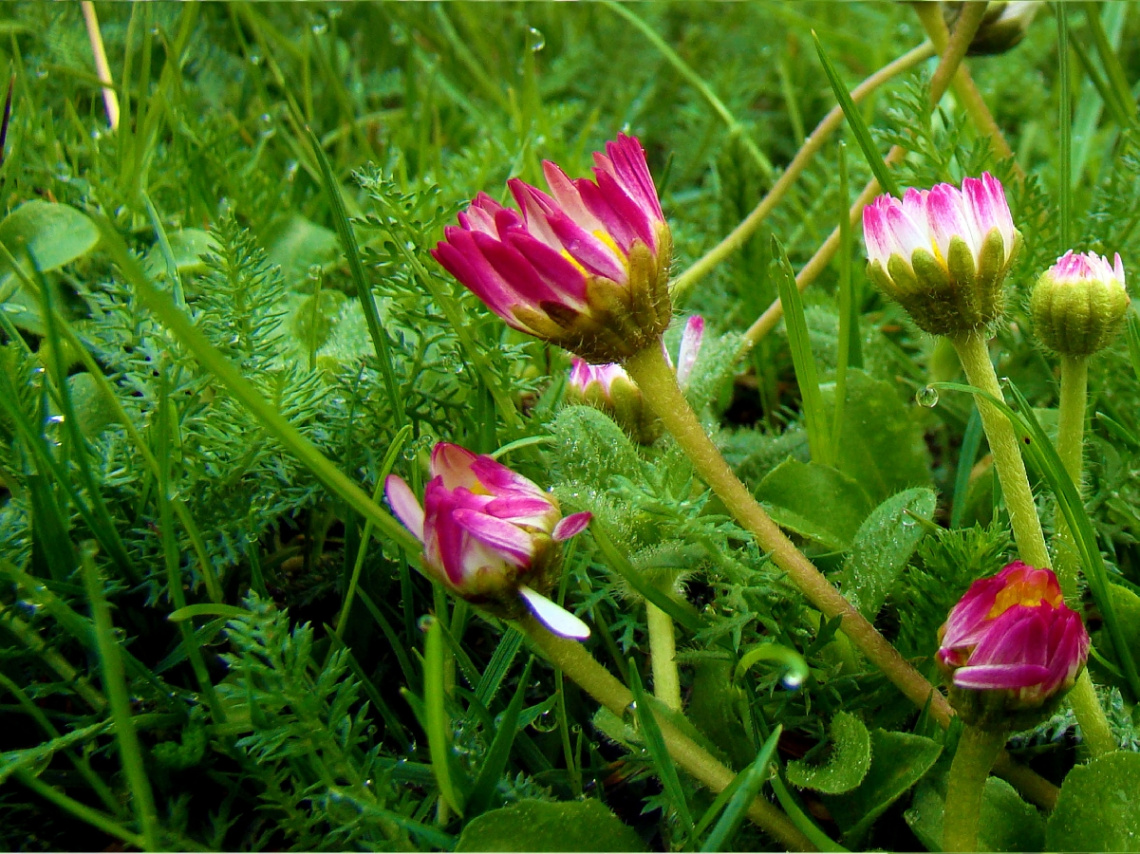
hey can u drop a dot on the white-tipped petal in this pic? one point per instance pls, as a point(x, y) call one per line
point(405, 505)
point(554, 616)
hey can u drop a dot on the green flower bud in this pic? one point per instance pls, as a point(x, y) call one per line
point(1079, 303)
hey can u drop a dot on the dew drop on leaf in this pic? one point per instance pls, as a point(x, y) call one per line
point(927, 397)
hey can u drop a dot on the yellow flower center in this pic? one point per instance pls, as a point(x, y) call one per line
point(1031, 591)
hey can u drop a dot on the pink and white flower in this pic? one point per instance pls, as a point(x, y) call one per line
point(1079, 303)
point(943, 253)
point(489, 534)
point(609, 388)
point(1013, 634)
point(584, 266)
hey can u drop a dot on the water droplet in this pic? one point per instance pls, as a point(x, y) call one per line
point(908, 522)
point(792, 680)
point(291, 171)
point(154, 30)
point(425, 622)
point(55, 419)
point(320, 28)
point(927, 397)
point(397, 35)
point(535, 40)
point(255, 59)
point(41, 73)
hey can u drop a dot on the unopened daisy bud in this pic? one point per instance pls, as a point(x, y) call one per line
point(943, 253)
point(1012, 648)
point(609, 388)
point(585, 267)
point(1079, 303)
point(490, 535)
point(1003, 26)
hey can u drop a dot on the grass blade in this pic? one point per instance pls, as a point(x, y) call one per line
point(822, 449)
point(858, 126)
point(971, 441)
point(751, 779)
point(437, 723)
point(500, 750)
point(655, 743)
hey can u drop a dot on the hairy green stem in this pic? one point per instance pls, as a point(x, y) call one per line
point(975, 358)
point(1070, 448)
point(658, 385)
point(812, 145)
point(1023, 518)
point(574, 661)
point(663, 656)
point(977, 749)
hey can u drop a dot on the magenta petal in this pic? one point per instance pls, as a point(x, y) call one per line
point(948, 219)
point(405, 505)
point(520, 509)
point(560, 274)
point(630, 169)
point(497, 479)
point(566, 194)
point(519, 275)
point(461, 257)
point(633, 217)
point(609, 207)
point(514, 544)
point(996, 676)
point(875, 234)
point(588, 250)
point(572, 525)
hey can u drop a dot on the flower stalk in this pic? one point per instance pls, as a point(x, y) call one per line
point(663, 657)
point(574, 661)
point(977, 750)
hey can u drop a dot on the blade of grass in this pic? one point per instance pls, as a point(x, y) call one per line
point(812, 400)
point(437, 723)
point(848, 316)
point(1064, 123)
point(655, 744)
point(971, 441)
point(377, 332)
point(735, 128)
point(1110, 62)
point(752, 779)
point(855, 121)
point(498, 667)
point(500, 750)
point(115, 684)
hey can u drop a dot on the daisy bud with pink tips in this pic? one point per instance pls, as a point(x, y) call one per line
point(609, 388)
point(1012, 648)
point(1078, 303)
point(943, 253)
point(490, 535)
point(585, 266)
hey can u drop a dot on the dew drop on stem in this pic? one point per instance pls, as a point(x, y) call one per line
point(927, 397)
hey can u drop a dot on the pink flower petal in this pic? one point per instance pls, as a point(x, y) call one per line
point(452, 463)
point(514, 544)
point(999, 676)
point(691, 339)
point(405, 505)
point(572, 525)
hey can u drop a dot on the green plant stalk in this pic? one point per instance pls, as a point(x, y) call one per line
point(812, 146)
point(1070, 448)
point(574, 661)
point(658, 386)
point(1022, 508)
point(52, 658)
point(977, 749)
point(663, 657)
point(975, 358)
point(115, 684)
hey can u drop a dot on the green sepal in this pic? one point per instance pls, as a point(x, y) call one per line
point(901, 276)
point(933, 277)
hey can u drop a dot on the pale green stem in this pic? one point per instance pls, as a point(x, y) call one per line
point(930, 14)
point(952, 54)
point(658, 386)
point(1023, 518)
point(574, 661)
point(811, 146)
point(975, 357)
point(977, 749)
point(663, 656)
point(1070, 448)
